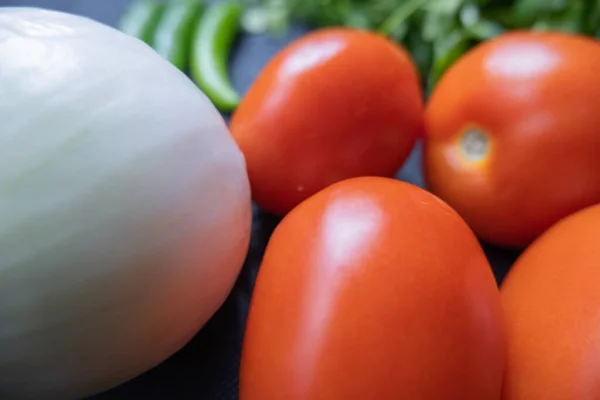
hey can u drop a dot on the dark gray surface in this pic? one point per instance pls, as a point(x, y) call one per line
point(207, 368)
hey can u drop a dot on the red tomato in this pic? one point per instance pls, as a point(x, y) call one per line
point(335, 104)
point(513, 134)
point(551, 298)
point(373, 289)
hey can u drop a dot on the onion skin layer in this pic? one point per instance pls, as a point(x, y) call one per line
point(125, 208)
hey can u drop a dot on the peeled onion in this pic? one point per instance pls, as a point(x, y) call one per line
point(124, 207)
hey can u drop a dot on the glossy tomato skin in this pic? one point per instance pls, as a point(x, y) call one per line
point(535, 98)
point(551, 298)
point(335, 104)
point(373, 289)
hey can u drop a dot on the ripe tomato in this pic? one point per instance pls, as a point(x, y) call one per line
point(373, 289)
point(513, 139)
point(335, 104)
point(551, 298)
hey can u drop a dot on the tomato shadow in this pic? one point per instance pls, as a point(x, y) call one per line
point(501, 259)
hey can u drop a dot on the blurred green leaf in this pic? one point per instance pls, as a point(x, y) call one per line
point(572, 19)
point(476, 26)
point(421, 51)
point(593, 23)
point(469, 14)
point(436, 25)
point(494, 3)
point(257, 20)
point(400, 15)
point(446, 50)
point(450, 7)
point(502, 15)
point(358, 19)
point(484, 30)
point(528, 11)
point(399, 34)
point(536, 7)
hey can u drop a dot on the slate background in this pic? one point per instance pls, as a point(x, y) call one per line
point(207, 368)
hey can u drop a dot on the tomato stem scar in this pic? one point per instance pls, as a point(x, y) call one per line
point(474, 145)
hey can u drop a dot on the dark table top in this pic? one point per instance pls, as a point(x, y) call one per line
point(207, 368)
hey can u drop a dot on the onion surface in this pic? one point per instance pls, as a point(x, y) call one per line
point(125, 208)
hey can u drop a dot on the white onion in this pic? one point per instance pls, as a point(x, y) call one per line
point(124, 207)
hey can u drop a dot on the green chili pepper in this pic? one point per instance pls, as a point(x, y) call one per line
point(173, 36)
point(141, 19)
point(212, 43)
